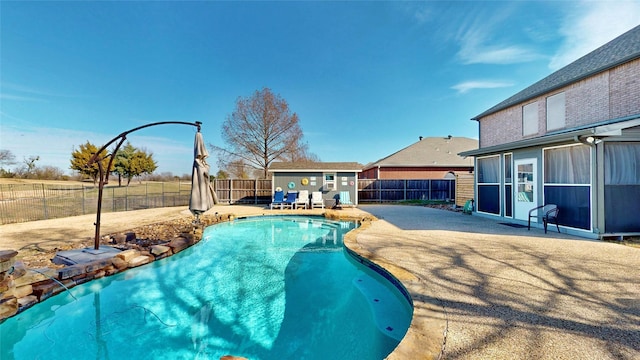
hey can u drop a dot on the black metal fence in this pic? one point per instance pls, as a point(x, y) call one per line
point(406, 190)
point(30, 202)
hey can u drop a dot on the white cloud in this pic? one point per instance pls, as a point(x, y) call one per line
point(591, 24)
point(481, 43)
point(474, 49)
point(467, 86)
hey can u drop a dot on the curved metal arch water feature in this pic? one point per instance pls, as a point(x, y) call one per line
point(104, 176)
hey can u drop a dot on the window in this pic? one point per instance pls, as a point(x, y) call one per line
point(508, 186)
point(567, 183)
point(489, 170)
point(568, 165)
point(329, 182)
point(622, 186)
point(530, 119)
point(555, 111)
point(622, 163)
point(488, 194)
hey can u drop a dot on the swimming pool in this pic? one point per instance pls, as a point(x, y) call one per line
point(263, 288)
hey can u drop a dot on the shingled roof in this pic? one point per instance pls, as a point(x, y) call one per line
point(618, 51)
point(430, 151)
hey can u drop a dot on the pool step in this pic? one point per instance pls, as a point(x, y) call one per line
point(385, 306)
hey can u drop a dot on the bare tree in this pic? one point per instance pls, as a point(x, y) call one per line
point(7, 157)
point(300, 154)
point(30, 164)
point(260, 130)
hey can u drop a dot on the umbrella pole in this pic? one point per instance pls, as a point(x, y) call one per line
point(96, 239)
point(104, 177)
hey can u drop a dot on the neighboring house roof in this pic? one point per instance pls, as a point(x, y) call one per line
point(431, 152)
point(620, 50)
point(314, 166)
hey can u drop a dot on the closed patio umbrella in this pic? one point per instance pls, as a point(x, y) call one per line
point(202, 195)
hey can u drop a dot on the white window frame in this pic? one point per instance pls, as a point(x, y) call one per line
point(590, 184)
point(479, 184)
point(329, 185)
point(530, 119)
point(504, 182)
point(556, 111)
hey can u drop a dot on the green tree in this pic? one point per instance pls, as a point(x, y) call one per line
point(122, 160)
point(131, 162)
point(222, 175)
point(80, 158)
point(261, 129)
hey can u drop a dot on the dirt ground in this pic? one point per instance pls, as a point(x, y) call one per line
point(38, 241)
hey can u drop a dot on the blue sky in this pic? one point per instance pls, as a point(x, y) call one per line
point(365, 78)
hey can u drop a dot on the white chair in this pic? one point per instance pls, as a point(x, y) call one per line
point(317, 200)
point(303, 199)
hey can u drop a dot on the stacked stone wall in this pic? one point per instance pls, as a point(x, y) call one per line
point(21, 288)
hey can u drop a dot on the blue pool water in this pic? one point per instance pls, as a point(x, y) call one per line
point(262, 288)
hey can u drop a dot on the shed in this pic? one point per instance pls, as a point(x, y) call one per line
point(328, 177)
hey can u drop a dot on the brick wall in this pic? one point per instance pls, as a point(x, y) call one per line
point(403, 173)
point(608, 95)
point(625, 89)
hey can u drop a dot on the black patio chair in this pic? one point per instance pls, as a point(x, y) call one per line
point(548, 213)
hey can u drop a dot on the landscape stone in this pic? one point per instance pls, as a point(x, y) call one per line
point(127, 255)
point(157, 250)
point(100, 273)
point(8, 307)
point(130, 236)
point(178, 244)
point(33, 276)
point(6, 255)
point(6, 265)
point(98, 264)
point(119, 263)
point(17, 292)
point(19, 269)
point(46, 289)
point(139, 260)
point(119, 238)
point(6, 283)
point(71, 271)
point(26, 302)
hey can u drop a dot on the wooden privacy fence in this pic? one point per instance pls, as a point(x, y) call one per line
point(259, 191)
point(464, 188)
point(239, 191)
point(405, 190)
point(30, 202)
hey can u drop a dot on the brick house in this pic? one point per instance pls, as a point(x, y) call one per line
point(571, 139)
point(429, 158)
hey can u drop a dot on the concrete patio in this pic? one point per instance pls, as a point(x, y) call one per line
point(481, 289)
point(491, 291)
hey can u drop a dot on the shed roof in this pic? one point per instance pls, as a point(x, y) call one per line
point(430, 151)
point(315, 166)
point(620, 50)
